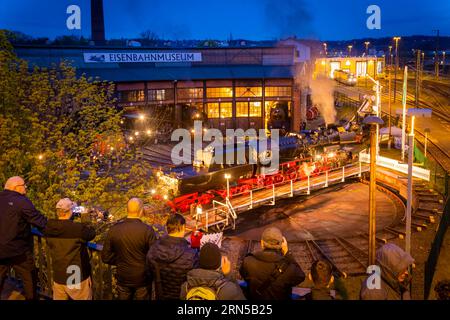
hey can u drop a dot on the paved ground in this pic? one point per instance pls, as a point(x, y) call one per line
point(342, 212)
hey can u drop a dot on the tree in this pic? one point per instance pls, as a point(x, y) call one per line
point(62, 134)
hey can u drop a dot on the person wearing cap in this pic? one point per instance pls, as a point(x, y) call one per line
point(210, 280)
point(71, 266)
point(126, 246)
point(17, 216)
point(272, 272)
point(396, 278)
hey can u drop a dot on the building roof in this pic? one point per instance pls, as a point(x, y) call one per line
point(218, 63)
point(189, 73)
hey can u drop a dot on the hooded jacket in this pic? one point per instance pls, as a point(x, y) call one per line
point(256, 268)
point(17, 215)
point(225, 289)
point(392, 261)
point(126, 245)
point(169, 260)
point(67, 242)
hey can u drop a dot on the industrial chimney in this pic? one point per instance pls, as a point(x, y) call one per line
point(97, 22)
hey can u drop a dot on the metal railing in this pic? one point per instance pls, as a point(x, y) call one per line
point(102, 279)
point(293, 187)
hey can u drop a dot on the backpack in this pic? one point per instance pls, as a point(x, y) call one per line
point(202, 292)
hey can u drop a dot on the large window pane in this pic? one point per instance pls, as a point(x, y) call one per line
point(278, 91)
point(225, 92)
point(213, 110)
point(160, 94)
point(190, 93)
point(132, 96)
point(226, 110)
point(248, 92)
point(255, 109)
point(241, 109)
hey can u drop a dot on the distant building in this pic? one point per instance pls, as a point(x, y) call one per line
point(233, 87)
point(359, 66)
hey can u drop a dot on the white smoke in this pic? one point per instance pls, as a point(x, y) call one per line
point(322, 90)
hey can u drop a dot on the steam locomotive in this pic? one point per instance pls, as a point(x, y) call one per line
point(297, 157)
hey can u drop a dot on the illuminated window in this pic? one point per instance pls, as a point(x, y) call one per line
point(255, 109)
point(226, 110)
point(213, 110)
point(248, 92)
point(132, 96)
point(241, 109)
point(379, 67)
point(219, 92)
point(160, 94)
point(190, 93)
point(361, 69)
point(278, 91)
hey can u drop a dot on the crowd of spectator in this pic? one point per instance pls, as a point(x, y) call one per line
point(169, 267)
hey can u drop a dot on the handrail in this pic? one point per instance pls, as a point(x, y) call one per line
point(90, 245)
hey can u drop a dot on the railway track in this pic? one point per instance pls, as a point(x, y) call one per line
point(348, 256)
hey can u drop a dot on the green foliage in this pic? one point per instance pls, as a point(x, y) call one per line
point(62, 134)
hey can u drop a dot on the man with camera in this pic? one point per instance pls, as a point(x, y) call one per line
point(70, 258)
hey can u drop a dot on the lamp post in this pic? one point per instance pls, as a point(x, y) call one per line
point(427, 131)
point(349, 50)
point(405, 76)
point(367, 47)
point(374, 123)
point(390, 56)
point(227, 177)
point(377, 107)
point(396, 39)
point(325, 48)
point(413, 113)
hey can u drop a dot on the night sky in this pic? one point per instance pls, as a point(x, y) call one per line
point(248, 19)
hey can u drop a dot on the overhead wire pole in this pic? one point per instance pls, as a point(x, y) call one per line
point(436, 56)
point(405, 87)
point(418, 64)
point(374, 123)
point(396, 39)
point(377, 109)
point(389, 97)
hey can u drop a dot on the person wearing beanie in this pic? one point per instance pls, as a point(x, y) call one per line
point(272, 272)
point(210, 281)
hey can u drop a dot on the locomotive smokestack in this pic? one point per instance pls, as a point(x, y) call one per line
point(97, 22)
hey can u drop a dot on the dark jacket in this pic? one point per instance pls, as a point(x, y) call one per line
point(174, 258)
point(126, 245)
point(67, 243)
point(17, 215)
point(258, 267)
point(392, 261)
point(225, 289)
